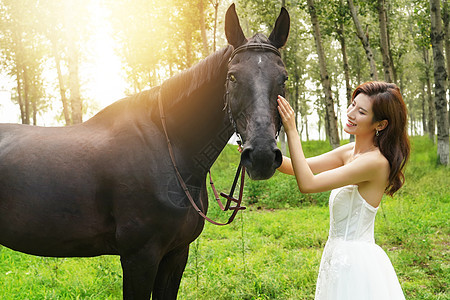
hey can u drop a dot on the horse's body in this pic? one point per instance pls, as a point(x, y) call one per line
point(108, 186)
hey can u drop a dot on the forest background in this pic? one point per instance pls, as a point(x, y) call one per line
point(62, 61)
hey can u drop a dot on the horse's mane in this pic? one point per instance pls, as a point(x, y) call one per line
point(182, 85)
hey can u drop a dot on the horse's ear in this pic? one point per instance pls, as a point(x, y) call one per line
point(280, 32)
point(233, 30)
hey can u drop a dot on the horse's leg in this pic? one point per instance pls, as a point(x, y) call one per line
point(169, 274)
point(139, 272)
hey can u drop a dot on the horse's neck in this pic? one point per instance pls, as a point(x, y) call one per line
point(201, 127)
point(196, 121)
point(211, 148)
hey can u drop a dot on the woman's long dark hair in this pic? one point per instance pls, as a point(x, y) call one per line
point(393, 142)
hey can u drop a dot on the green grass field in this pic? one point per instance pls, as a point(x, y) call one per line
point(273, 249)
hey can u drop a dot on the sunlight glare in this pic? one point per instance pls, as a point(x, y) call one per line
point(108, 83)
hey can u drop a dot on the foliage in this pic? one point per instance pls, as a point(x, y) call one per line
point(158, 39)
point(270, 253)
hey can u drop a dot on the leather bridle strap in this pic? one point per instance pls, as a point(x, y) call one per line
point(229, 197)
point(255, 47)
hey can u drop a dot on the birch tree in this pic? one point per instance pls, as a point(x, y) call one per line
point(446, 19)
point(22, 54)
point(364, 40)
point(384, 41)
point(440, 77)
point(331, 120)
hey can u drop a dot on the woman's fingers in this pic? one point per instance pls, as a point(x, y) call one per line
point(286, 112)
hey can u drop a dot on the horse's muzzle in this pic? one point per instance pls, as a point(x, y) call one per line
point(261, 163)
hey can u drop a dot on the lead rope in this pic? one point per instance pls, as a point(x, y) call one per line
point(229, 197)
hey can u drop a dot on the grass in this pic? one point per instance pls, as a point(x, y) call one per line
point(273, 249)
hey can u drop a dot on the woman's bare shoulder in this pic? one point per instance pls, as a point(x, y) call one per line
point(345, 148)
point(377, 161)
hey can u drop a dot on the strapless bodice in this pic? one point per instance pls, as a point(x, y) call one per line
point(351, 217)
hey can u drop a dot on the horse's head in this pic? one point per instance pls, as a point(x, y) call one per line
point(256, 76)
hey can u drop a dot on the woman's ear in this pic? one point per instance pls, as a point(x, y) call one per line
point(382, 125)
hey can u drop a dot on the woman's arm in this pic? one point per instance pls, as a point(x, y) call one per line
point(360, 170)
point(324, 162)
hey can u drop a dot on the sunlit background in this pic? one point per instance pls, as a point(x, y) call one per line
point(121, 48)
point(108, 49)
point(101, 73)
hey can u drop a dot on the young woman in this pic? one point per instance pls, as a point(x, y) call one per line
point(359, 173)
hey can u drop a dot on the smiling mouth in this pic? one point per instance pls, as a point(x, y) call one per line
point(350, 123)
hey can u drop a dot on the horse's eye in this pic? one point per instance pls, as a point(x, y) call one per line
point(232, 78)
point(283, 84)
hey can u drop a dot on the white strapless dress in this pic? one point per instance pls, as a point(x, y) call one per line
point(352, 265)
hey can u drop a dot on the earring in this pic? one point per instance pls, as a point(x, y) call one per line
point(377, 133)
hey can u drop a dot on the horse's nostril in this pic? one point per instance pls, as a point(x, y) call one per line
point(278, 158)
point(246, 157)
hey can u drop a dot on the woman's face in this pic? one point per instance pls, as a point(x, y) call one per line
point(360, 116)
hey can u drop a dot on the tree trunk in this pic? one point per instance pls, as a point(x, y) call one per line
point(34, 106)
point(296, 93)
point(201, 11)
point(19, 91)
point(364, 40)
point(26, 93)
point(215, 4)
point(391, 58)
point(440, 77)
point(431, 107)
point(305, 122)
point(446, 19)
point(188, 45)
point(21, 99)
point(74, 83)
point(424, 112)
point(384, 44)
point(331, 121)
point(348, 88)
point(62, 89)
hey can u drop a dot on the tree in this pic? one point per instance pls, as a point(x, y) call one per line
point(201, 11)
point(364, 40)
point(22, 49)
point(65, 25)
point(331, 120)
point(215, 4)
point(384, 42)
point(440, 77)
point(446, 20)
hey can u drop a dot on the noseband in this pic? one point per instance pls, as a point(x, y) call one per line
point(227, 105)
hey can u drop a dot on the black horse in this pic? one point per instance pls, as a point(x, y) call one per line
point(108, 186)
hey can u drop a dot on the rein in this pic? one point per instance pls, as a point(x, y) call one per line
point(229, 197)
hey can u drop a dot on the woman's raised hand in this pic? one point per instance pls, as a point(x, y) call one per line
point(287, 114)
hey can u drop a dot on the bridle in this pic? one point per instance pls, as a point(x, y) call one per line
point(227, 105)
point(240, 170)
